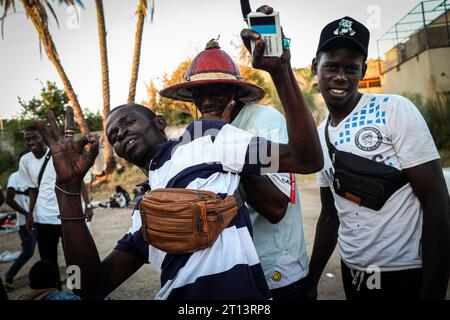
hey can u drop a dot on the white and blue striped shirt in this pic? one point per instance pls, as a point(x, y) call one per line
point(209, 156)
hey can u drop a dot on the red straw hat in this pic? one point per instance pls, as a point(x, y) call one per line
point(213, 66)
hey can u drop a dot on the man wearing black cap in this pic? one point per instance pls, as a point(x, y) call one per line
point(398, 251)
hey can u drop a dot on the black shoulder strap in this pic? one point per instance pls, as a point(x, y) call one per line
point(44, 165)
point(240, 195)
point(330, 147)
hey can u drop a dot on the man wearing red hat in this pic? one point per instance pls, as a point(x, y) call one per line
point(214, 84)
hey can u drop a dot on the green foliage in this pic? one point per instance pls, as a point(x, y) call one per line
point(50, 98)
point(438, 120)
point(93, 119)
point(175, 112)
point(437, 116)
point(8, 164)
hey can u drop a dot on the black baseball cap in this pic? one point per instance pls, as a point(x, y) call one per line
point(344, 30)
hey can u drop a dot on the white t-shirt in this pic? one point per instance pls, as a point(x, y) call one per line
point(22, 200)
point(388, 129)
point(281, 247)
point(46, 209)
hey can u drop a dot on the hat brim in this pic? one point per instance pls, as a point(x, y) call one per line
point(342, 39)
point(247, 92)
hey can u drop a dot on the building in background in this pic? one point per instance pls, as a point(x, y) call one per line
point(372, 81)
point(419, 60)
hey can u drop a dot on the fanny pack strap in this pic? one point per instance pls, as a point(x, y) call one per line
point(330, 147)
point(240, 196)
point(398, 180)
point(25, 193)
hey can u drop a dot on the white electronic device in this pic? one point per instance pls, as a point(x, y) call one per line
point(268, 26)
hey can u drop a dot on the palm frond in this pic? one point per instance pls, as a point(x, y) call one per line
point(144, 8)
point(49, 6)
point(7, 5)
point(152, 10)
point(66, 2)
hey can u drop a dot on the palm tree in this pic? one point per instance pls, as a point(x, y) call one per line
point(107, 149)
point(141, 12)
point(36, 12)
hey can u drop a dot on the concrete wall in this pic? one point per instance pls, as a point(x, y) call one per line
point(421, 74)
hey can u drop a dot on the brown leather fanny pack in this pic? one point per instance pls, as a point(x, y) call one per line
point(184, 220)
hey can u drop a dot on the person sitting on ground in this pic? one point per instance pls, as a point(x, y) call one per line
point(18, 200)
point(45, 283)
point(122, 197)
point(139, 192)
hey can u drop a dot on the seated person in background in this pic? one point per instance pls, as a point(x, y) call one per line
point(45, 283)
point(139, 192)
point(122, 197)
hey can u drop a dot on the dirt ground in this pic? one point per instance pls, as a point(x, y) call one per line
point(110, 225)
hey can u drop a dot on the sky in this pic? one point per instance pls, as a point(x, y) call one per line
point(180, 30)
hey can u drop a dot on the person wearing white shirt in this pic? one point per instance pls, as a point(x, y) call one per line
point(17, 198)
point(401, 250)
point(39, 175)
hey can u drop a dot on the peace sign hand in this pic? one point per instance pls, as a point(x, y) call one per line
point(70, 162)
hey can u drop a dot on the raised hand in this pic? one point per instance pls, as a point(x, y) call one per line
point(70, 162)
point(269, 64)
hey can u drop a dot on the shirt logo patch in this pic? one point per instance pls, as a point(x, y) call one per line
point(368, 139)
point(276, 276)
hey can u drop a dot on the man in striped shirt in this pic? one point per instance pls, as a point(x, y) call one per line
point(211, 156)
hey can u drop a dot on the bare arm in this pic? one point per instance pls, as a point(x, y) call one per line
point(265, 197)
point(326, 237)
point(10, 201)
point(71, 162)
point(98, 278)
point(303, 153)
point(30, 218)
point(428, 184)
point(84, 193)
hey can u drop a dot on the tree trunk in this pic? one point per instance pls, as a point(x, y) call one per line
point(33, 10)
point(137, 52)
point(107, 148)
